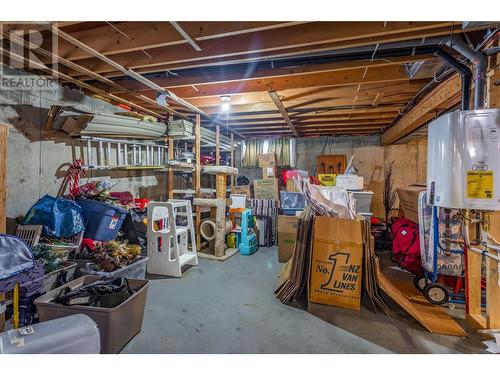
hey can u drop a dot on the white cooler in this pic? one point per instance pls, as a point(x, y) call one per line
point(74, 334)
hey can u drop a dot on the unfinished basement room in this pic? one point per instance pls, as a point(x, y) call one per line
point(213, 185)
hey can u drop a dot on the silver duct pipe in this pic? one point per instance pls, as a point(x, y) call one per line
point(479, 60)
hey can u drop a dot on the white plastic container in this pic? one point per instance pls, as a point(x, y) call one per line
point(349, 181)
point(463, 168)
point(74, 334)
point(363, 200)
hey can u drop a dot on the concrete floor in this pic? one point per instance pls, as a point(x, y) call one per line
point(229, 307)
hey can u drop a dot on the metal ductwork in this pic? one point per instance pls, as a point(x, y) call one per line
point(479, 60)
point(465, 74)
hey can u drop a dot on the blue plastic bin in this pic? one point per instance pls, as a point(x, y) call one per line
point(102, 221)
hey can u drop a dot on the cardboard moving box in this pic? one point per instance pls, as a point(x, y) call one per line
point(337, 262)
point(242, 189)
point(287, 234)
point(269, 172)
point(266, 188)
point(267, 160)
point(408, 201)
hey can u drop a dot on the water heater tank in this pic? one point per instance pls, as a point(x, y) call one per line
point(463, 160)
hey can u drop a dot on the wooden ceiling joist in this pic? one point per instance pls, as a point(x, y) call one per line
point(277, 102)
point(443, 96)
point(149, 35)
point(320, 91)
point(246, 73)
point(309, 37)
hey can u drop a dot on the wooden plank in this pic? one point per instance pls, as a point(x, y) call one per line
point(432, 317)
point(4, 132)
point(170, 176)
point(445, 95)
point(197, 176)
point(277, 101)
point(473, 285)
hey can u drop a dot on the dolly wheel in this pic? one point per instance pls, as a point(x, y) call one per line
point(419, 282)
point(436, 293)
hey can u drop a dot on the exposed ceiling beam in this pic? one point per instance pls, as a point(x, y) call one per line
point(196, 77)
point(313, 37)
point(186, 36)
point(443, 96)
point(382, 74)
point(277, 102)
point(148, 35)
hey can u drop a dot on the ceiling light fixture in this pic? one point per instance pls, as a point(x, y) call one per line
point(225, 102)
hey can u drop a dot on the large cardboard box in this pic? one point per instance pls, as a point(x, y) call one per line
point(242, 189)
point(267, 160)
point(337, 262)
point(408, 201)
point(287, 234)
point(269, 172)
point(266, 188)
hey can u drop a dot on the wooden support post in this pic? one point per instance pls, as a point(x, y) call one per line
point(170, 179)
point(473, 298)
point(197, 176)
point(4, 132)
point(492, 276)
point(232, 160)
point(217, 145)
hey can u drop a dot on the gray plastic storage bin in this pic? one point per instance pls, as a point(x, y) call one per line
point(75, 334)
point(363, 200)
point(117, 325)
point(135, 270)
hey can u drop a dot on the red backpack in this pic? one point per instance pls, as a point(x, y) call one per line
point(406, 246)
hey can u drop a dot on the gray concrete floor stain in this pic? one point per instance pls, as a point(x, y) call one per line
point(230, 307)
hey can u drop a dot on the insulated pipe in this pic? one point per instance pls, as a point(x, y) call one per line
point(465, 74)
point(480, 62)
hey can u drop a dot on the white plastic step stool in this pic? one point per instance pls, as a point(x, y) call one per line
point(168, 247)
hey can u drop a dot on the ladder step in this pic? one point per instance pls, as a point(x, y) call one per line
point(187, 257)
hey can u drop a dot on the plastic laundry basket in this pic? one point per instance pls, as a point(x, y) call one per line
point(102, 221)
point(117, 325)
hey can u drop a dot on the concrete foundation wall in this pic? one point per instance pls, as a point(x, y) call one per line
point(410, 161)
point(38, 159)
